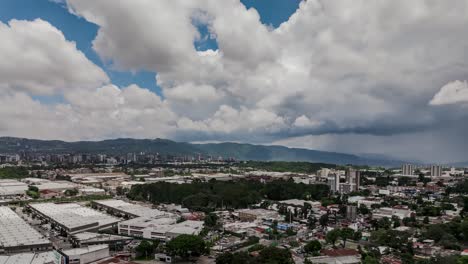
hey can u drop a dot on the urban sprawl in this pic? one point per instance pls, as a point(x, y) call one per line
point(146, 208)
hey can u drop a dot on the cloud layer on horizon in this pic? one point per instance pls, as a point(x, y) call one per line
point(383, 70)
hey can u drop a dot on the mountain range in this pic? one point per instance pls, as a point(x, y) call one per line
point(168, 147)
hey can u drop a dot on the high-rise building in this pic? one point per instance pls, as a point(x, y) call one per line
point(334, 182)
point(436, 170)
point(353, 177)
point(407, 169)
point(351, 212)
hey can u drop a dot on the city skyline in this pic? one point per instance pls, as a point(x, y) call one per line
point(350, 77)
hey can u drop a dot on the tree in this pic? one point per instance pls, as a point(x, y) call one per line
point(146, 248)
point(426, 220)
point(234, 258)
point(370, 260)
point(462, 260)
point(33, 188)
point(463, 227)
point(33, 192)
point(71, 192)
point(396, 221)
point(332, 236)
point(362, 209)
point(211, 220)
point(323, 220)
point(391, 238)
point(186, 246)
point(313, 247)
point(345, 234)
point(384, 223)
point(275, 255)
point(311, 222)
point(357, 235)
point(121, 190)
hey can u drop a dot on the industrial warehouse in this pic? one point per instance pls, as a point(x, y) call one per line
point(17, 236)
point(73, 218)
point(122, 208)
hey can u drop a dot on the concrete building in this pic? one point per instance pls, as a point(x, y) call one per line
point(346, 188)
point(122, 208)
point(398, 211)
point(29, 258)
point(12, 188)
point(250, 215)
point(163, 229)
point(368, 202)
point(17, 236)
point(353, 177)
point(91, 191)
point(83, 255)
point(73, 218)
point(351, 212)
point(436, 170)
point(90, 238)
point(334, 182)
point(407, 169)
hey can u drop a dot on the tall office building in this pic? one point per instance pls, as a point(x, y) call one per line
point(334, 182)
point(353, 177)
point(436, 170)
point(407, 169)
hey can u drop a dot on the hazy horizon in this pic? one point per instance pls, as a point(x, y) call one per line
point(383, 77)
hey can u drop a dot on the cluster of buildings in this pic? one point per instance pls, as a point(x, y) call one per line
point(151, 223)
point(100, 158)
point(351, 183)
point(72, 233)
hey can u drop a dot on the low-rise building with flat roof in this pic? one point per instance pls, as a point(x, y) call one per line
point(72, 217)
point(131, 210)
point(18, 236)
point(163, 229)
point(84, 255)
point(29, 258)
point(258, 214)
point(90, 238)
point(11, 188)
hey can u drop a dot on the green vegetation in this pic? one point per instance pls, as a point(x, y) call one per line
point(211, 220)
point(256, 247)
point(33, 192)
point(186, 246)
point(284, 166)
point(449, 235)
point(392, 238)
point(313, 247)
point(210, 195)
point(71, 192)
point(13, 173)
point(146, 249)
point(270, 255)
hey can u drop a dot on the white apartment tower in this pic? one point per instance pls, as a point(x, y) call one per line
point(407, 169)
point(436, 170)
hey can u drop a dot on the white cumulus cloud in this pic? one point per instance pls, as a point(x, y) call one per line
point(452, 93)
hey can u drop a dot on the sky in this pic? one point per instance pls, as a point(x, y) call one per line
point(384, 77)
